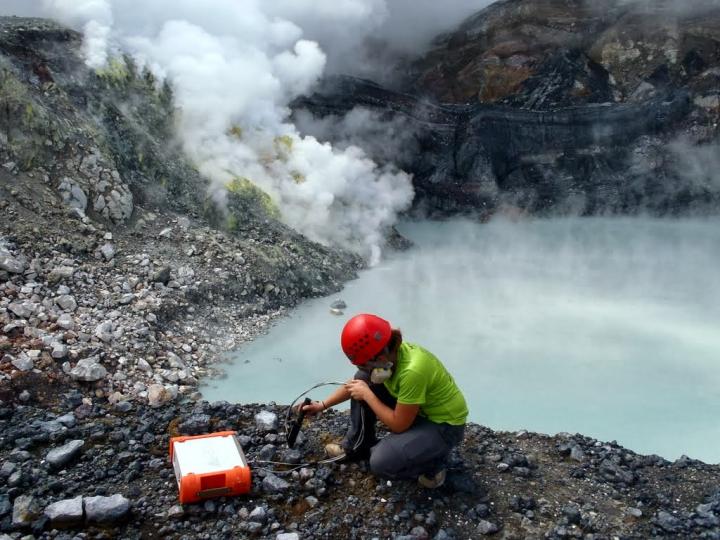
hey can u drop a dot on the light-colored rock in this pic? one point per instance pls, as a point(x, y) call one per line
point(72, 194)
point(108, 251)
point(59, 351)
point(25, 511)
point(266, 421)
point(143, 365)
point(11, 264)
point(61, 272)
point(486, 528)
point(106, 509)
point(158, 394)
point(711, 102)
point(104, 331)
point(65, 512)
point(66, 302)
point(66, 322)
point(176, 512)
point(22, 309)
point(23, 362)
point(88, 370)
point(61, 456)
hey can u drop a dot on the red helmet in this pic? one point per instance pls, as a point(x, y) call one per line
point(363, 337)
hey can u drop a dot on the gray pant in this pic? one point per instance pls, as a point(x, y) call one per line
point(421, 449)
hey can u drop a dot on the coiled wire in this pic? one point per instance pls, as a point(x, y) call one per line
point(297, 466)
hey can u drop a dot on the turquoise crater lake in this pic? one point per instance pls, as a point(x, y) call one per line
point(609, 327)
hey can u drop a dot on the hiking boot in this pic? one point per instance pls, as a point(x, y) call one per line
point(434, 481)
point(334, 450)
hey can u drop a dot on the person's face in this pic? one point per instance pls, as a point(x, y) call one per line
point(380, 360)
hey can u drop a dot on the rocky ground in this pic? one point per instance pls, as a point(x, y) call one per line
point(83, 467)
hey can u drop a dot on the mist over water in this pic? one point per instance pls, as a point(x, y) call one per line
point(606, 327)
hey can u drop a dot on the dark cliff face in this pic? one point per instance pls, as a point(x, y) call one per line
point(560, 107)
point(595, 51)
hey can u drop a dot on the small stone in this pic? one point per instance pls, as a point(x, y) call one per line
point(65, 512)
point(258, 514)
point(11, 264)
point(195, 424)
point(59, 351)
point(266, 421)
point(104, 331)
point(419, 533)
point(59, 457)
point(667, 521)
point(5, 506)
point(634, 512)
point(577, 454)
point(486, 528)
point(158, 394)
point(161, 276)
point(108, 251)
point(274, 484)
point(288, 536)
point(22, 309)
point(176, 512)
point(106, 509)
point(66, 322)
point(59, 273)
point(25, 511)
point(338, 304)
point(123, 406)
point(66, 302)
point(88, 370)
point(23, 362)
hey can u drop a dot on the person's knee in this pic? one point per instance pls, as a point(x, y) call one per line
point(383, 463)
point(362, 375)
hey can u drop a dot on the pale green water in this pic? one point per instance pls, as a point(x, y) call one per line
point(606, 327)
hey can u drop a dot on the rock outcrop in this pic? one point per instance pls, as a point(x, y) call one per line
point(558, 107)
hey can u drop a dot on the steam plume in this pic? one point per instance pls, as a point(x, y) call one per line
point(235, 66)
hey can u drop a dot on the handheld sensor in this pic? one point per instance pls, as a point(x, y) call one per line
point(297, 423)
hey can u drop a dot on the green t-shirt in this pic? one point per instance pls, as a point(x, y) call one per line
point(421, 379)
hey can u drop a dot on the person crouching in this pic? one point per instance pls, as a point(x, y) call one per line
point(409, 390)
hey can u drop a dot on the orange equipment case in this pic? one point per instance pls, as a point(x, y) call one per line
point(211, 465)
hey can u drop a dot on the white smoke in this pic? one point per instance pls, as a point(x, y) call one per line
point(366, 37)
point(385, 140)
point(235, 65)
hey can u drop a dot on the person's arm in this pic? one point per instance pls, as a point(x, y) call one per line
point(397, 420)
point(338, 396)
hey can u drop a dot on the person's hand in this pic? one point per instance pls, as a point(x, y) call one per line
point(358, 389)
point(312, 408)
